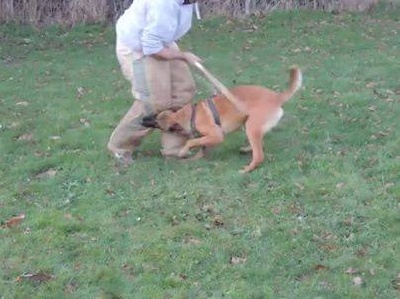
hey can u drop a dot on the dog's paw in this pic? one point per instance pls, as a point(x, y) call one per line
point(247, 169)
point(169, 152)
point(243, 171)
point(183, 153)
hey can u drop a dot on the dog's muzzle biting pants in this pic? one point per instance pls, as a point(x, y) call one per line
point(156, 85)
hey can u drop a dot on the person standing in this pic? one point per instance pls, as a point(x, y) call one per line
point(159, 72)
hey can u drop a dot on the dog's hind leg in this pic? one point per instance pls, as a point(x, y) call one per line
point(255, 135)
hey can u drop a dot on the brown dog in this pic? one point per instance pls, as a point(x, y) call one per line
point(206, 123)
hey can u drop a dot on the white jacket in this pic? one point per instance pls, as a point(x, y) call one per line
point(148, 26)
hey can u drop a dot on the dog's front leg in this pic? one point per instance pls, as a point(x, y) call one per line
point(206, 141)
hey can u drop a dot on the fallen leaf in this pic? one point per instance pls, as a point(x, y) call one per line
point(182, 276)
point(246, 48)
point(68, 216)
point(276, 210)
point(362, 252)
point(80, 92)
point(389, 185)
point(49, 173)
point(174, 221)
point(396, 282)
point(14, 221)
point(340, 185)
point(325, 285)
point(320, 267)
point(300, 186)
point(371, 84)
point(71, 288)
point(218, 221)
point(235, 260)
point(302, 277)
point(85, 122)
point(357, 281)
point(25, 137)
point(351, 271)
point(35, 277)
point(193, 241)
point(110, 192)
point(208, 208)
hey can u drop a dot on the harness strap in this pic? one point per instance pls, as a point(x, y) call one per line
point(214, 111)
point(195, 133)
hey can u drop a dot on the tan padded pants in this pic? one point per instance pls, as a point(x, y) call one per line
point(156, 85)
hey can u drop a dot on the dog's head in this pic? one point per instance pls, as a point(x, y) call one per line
point(150, 121)
point(165, 121)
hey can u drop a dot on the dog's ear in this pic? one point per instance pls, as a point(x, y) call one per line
point(150, 121)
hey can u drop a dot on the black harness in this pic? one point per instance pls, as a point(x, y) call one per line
point(214, 112)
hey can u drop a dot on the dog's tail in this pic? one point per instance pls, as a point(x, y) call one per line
point(296, 79)
point(221, 87)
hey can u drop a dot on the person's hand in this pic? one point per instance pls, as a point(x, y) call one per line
point(190, 58)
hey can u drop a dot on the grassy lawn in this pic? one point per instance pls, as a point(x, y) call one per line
point(319, 219)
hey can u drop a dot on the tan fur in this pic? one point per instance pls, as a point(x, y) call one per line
point(257, 107)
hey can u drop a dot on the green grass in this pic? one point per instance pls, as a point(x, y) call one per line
point(326, 200)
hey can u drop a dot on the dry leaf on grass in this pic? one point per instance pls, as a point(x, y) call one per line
point(35, 277)
point(13, 221)
point(340, 185)
point(192, 241)
point(208, 208)
point(69, 216)
point(25, 137)
point(357, 281)
point(320, 267)
point(71, 288)
point(174, 221)
point(49, 173)
point(351, 271)
point(84, 121)
point(23, 103)
point(371, 84)
point(80, 92)
point(218, 221)
point(235, 260)
point(396, 282)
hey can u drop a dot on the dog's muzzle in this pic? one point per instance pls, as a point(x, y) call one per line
point(150, 121)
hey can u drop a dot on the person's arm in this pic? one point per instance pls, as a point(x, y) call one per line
point(171, 53)
point(161, 25)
